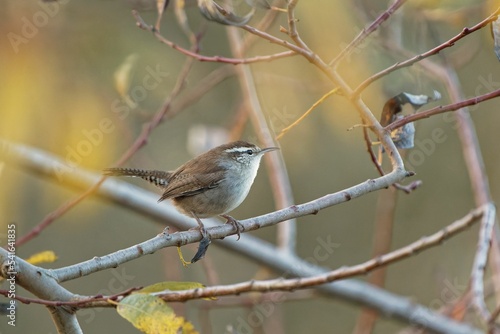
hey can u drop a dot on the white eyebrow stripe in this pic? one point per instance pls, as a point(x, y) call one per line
point(240, 149)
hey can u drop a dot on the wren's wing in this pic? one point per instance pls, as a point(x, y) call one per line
point(191, 184)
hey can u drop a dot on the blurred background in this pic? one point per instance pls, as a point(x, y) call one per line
point(66, 69)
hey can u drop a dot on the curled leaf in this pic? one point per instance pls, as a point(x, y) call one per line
point(404, 137)
point(215, 12)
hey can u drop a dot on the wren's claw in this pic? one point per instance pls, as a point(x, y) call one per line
point(236, 224)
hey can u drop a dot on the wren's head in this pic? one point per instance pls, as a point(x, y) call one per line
point(244, 153)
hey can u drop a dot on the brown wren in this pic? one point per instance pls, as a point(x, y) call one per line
point(213, 183)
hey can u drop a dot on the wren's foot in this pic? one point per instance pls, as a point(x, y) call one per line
point(204, 242)
point(237, 225)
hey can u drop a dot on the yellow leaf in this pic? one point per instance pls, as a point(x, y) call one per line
point(123, 78)
point(42, 257)
point(152, 315)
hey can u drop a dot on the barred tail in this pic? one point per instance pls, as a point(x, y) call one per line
point(156, 177)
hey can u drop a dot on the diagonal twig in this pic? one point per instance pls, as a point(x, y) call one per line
point(436, 50)
point(367, 31)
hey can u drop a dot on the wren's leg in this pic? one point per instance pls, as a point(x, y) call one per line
point(202, 229)
point(204, 242)
point(237, 225)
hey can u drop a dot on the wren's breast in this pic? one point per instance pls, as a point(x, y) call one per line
point(217, 201)
point(210, 203)
point(237, 186)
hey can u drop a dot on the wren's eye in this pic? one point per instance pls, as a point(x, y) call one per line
point(249, 152)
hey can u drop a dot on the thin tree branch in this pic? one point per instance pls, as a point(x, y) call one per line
point(292, 26)
point(367, 31)
point(481, 190)
point(301, 118)
point(481, 259)
point(442, 109)
point(417, 58)
point(76, 302)
point(219, 59)
point(369, 149)
point(262, 25)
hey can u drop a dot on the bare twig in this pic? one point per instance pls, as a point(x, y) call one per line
point(442, 109)
point(219, 59)
point(292, 26)
point(262, 25)
point(77, 301)
point(367, 31)
point(301, 118)
point(480, 261)
point(436, 50)
point(482, 196)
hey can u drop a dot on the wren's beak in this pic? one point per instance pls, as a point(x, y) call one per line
point(268, 149)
